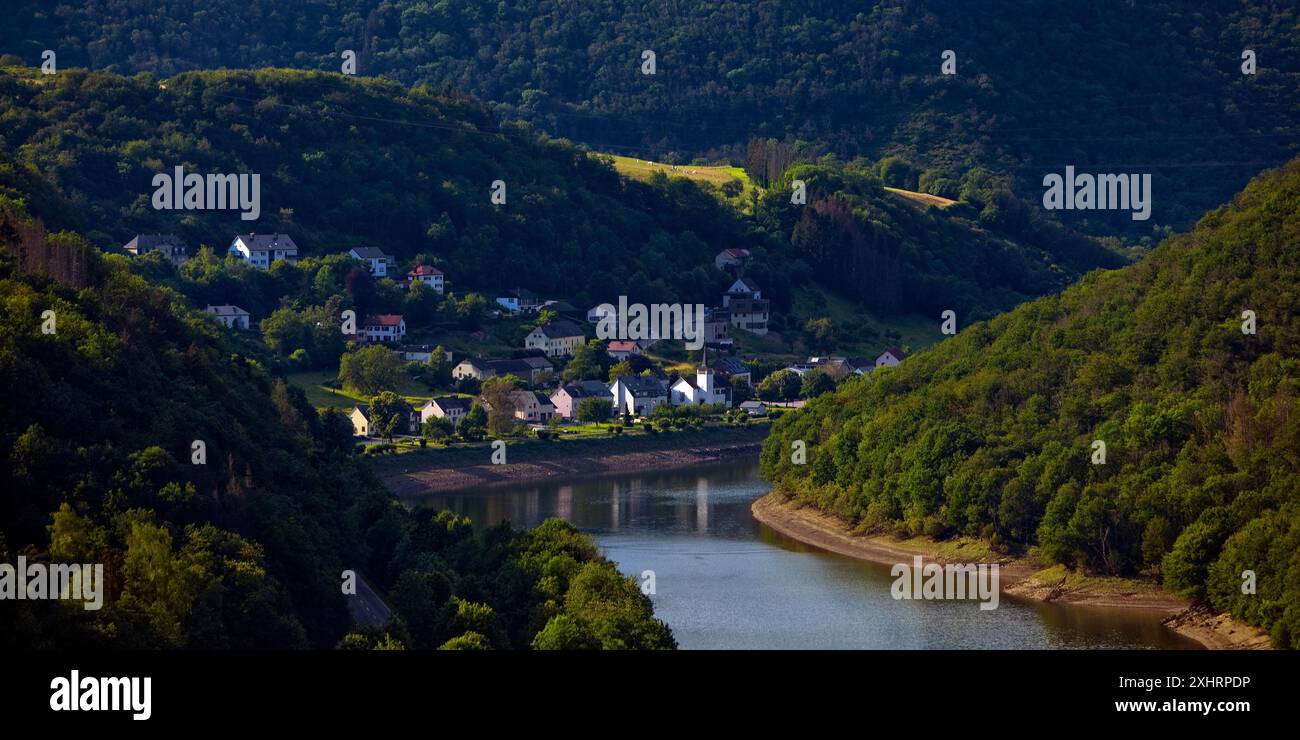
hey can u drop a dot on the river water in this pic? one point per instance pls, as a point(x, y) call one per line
point(723, 580)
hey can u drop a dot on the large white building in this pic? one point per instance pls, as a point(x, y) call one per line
point(260, 250)
point(376, 261)
point(637, 395)
point(703, 388)
point(555, 338)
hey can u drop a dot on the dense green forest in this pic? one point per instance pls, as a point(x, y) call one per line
point(350, 162)
point(1110, 85)
point(246, 547)
point(991, 433)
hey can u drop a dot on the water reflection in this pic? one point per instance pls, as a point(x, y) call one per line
point(725, 581)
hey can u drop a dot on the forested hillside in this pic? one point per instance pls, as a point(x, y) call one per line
point(244, 547)
point(348, 162)
point(992, 432)
point(1108, 86)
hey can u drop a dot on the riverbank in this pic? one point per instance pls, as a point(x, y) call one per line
point(437, 471)
point(1020, 577)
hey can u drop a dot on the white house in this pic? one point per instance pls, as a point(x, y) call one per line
point(452, 408)
point(420, 352)
point(742, 288)
point(729, 259)
point(703, 388)
point(169, 245)
point(429, 275)
point(600, 311)
point(375, 259)
point(555, 338)
point(363, 423)
point(232, 317)
point(471, 367)
point(531, 407)
point(385, 327)
point(749, 310)
point(518, 300)
point(260, 250)
point(891, 357)
point(637, 394)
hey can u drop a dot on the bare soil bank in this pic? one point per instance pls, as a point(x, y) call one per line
point(446, 470)
point(1019, 576)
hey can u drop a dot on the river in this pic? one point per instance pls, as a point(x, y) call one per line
point(722, 580)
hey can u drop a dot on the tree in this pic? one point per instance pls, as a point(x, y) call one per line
point(594, 410)
point(437, 428)
point(620, 369)
point(286, 330)
point(815, 383)
point(740, 391)
point(499, 393)
point(389, 413)
point(438, 368)
point(370, 370)
point(361, 287)
point(588, 362)
point(783, 385)
point(473, 426)
point(420, 304)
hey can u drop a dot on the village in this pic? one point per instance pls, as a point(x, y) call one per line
point(559, 380)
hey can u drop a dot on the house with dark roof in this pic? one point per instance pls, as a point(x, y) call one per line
point(363, 422)
point(376, 261)
point(452, 408)
point(555, 338)
point(169, 245)
point(532, 370)
point(729, 368)
point(532, 407)
point(637, 394)
point(743, 288)
point(701, 389)
point(472, 368)
point(891, 356)
point(518, 300)
point(749, 310)
point(260, 250)
point(571, 395)
point(231, 317)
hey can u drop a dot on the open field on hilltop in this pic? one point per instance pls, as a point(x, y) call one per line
point(642, 169)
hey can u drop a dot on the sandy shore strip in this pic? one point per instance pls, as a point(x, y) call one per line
point(411, 476)
point(1019, 576)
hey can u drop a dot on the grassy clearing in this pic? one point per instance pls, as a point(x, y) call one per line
point(641, 169)
point(923, 199)
point(320, 395)
point(1076, 581)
